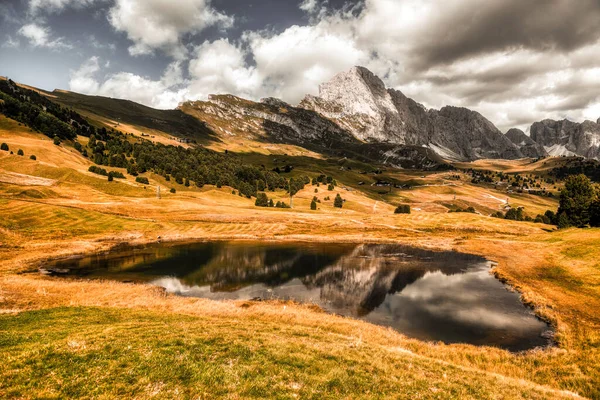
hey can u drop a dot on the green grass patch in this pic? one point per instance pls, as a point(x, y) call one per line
point(113, 353)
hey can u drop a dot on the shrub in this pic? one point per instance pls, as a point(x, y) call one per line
point(498, 214)
point(116, 174)
point(551, 216)
point(281, 204)
point(271, 204)
point(4, 147)
point(32, 157)
point(402, 209)
point(110, 177)
point(313, 205)
point(330, 187)
point(173, 190)
point(338, 202)
point(142, 179)
point(542, 219)
point(515, 214)
point(56, 140)
point(98, 170)
point(261, 200)
point(20, 152)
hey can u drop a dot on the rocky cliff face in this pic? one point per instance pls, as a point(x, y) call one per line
point(359, 102)
point(274, 121)
point(528, 146)
point(568, 138)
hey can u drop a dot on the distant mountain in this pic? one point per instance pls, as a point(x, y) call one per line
point(358, 101)
point(528, 146)
point(568, 138)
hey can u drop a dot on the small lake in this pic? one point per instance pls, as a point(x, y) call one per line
point(434, 296)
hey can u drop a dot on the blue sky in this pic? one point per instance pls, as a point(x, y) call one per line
point(514, 61)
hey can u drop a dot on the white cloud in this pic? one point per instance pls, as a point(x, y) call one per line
point(160, 24)
point(220, 67)
point(510, 82)
point(35, 6)
point(164, 93)
point(11, 43)
point(40, 36)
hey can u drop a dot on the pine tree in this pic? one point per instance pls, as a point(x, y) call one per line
point(313, 205)
point(4, 147)
point(20, 152)
point(575, 200)
point(338, 202)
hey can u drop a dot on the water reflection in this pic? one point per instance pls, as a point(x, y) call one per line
point(429, 295)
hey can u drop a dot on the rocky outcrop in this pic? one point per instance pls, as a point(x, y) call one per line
point(528, 146)
point(567, 138)
point(359, 102)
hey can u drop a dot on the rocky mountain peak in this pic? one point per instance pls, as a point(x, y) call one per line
point(359, 102)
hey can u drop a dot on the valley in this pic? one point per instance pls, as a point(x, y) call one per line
point(139, 341)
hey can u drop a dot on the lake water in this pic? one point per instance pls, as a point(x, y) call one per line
point(436, 296)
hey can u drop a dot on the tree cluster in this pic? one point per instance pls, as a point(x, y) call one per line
point(579, 203)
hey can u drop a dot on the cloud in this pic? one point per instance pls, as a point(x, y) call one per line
point(160, 24)
point(56, 6)
point(40, 36)
point(11, 43)
point(294, 62)
point(163, 93)
point(220, 67)
point(513, 61)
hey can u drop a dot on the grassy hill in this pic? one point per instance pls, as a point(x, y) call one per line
point(116, 112)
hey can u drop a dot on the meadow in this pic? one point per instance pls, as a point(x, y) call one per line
point(96, 339)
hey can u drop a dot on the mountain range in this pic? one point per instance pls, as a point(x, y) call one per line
point(355, 116)
point(355, 107)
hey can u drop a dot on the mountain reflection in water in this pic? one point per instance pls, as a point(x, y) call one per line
point(445, 296)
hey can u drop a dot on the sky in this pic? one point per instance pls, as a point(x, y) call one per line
point(514, 61)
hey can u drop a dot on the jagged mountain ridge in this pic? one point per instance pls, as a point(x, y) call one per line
point(359, 101)
point(528, 146)
point(568, 138)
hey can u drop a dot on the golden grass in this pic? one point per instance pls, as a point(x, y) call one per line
point(557, 272)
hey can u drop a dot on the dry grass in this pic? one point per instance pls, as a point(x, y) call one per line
point(557, 272)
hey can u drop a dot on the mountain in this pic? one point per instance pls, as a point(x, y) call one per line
point(274, 121)
point(568, 138)
point(358, 101)
point(528, 146)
